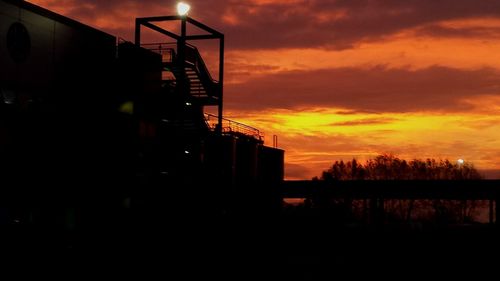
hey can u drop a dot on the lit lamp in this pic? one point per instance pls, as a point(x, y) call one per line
point(183, 8)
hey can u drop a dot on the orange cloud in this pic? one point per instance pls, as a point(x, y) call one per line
point(313, 140)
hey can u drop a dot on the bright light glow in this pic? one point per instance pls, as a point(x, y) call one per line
point(460, 161)
point(183, 8)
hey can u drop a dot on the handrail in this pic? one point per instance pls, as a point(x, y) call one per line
point(192, 56)
point(394, 189)
point(166, 50)
point(120, 40)
point(231, 127)
point(199, 62)
point(209, 83)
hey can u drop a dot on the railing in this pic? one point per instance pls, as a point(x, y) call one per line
point(166, 50)
point(192, 57)
point(406, 199)
point(233, 127)
point(120, 40)
point(394, 189)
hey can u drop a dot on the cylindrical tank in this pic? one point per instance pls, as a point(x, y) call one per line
point(271, 164)
point(246, 161)
point(219, 158)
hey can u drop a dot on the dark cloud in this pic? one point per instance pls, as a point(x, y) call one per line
point(354, 112)
point(344, 23)
point(378, 89)
point(314, 23)
point(296, 171)
point(235, 71)
point(469, 32)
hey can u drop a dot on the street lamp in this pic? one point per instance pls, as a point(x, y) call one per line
point(182, 85)
point(183, 8)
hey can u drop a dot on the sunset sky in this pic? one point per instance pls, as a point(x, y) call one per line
point(347, 78)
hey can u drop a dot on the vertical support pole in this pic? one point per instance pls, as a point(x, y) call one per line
point(348, 209)
point(181, 59)
point(137, 32)
point(464, 210)
point(221, 83)
point(381, 211)
point(491, 212)
point(182, 40)
point(365, 211)
point(183, 90)
point(497, 211)
point(377, 211)
point(373, 211)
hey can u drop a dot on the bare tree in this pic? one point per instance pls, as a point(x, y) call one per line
point(391, 167)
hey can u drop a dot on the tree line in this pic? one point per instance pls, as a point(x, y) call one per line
point(391, 167)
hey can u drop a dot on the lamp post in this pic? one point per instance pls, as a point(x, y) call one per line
point(182, 10)
point(216, 92)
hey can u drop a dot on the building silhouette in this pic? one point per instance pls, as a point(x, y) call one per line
point(99, 134)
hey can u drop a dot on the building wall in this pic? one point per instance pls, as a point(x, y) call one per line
point(59, 52)
point(38, 68)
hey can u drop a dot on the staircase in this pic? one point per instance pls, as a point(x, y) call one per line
point(202, 88)
point(196, 87)
point(186, 118)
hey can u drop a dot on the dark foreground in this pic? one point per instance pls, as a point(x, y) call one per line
point(258, 248)
point(203, 235)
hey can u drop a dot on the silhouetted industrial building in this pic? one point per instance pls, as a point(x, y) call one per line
point(91, 125)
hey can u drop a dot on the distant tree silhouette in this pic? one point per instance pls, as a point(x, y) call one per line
point(390, 167)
